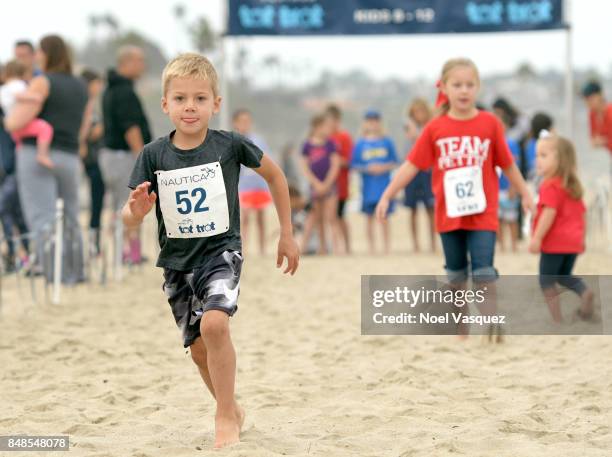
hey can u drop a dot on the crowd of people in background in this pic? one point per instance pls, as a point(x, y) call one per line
point(373, 157)
point(54, 122)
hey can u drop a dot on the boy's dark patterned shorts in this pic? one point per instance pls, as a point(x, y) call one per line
point(214, 285)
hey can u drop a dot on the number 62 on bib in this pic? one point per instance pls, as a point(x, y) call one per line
point(463, 192)
point(193, 201)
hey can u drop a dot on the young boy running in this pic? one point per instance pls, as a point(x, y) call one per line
point(191, 177)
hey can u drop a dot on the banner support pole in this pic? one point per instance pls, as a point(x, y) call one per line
point(224, 115)
point(569, 71)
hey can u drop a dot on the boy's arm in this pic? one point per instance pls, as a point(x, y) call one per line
point(287, 247)
point(544, 224)
point(516, 180)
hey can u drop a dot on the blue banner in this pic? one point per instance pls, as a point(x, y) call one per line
point(372, 17)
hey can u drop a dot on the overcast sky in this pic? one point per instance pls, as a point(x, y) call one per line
point(381, 56)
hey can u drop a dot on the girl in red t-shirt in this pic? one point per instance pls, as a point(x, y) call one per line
point(462, 146)
point(559, 226)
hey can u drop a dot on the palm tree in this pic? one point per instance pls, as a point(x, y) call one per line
point(179, 11)
point(240, 62)
point(112, 23)
point(202, 35)
point(273, 63)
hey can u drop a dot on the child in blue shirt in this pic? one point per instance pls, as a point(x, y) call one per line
point(374, 157)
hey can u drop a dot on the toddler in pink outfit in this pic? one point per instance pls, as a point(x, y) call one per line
point(13, 91)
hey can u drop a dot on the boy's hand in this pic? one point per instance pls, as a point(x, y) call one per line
point(382, 208)
point(140, 201)
point(535, 245)
point(287, 247)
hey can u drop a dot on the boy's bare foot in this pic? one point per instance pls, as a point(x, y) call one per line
point(227, 429)
point(585, 312)
point(45, 161)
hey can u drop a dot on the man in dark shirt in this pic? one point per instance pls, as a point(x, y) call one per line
point(126, 131)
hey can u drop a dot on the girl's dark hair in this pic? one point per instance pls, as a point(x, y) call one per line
point(57, 54)
point(510, 113)
point(539, 122)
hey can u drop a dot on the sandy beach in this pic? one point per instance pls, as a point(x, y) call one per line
point(107, 367)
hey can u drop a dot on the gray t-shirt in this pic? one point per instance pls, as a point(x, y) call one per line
point(231, 150)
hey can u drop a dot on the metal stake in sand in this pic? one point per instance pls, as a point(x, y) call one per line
point(118, 260)
point(57, 265)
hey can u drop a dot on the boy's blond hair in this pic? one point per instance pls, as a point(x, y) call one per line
point(191, 65)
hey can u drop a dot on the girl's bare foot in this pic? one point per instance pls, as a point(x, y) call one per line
point(227, 429)
point(45, 161)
